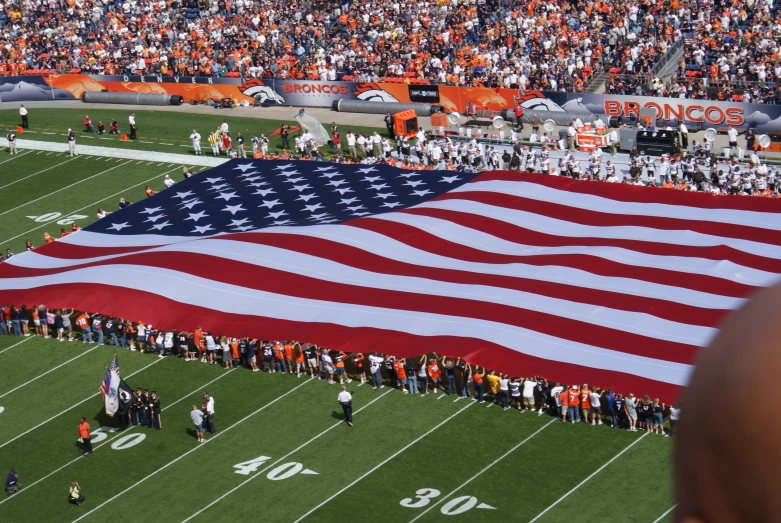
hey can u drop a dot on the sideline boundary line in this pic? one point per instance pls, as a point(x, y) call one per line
point(497, 460)
point(15, 344)
point(392, 456)
point(600, 469)
point(237, 487)
point(657, 520)
point(242, 420)
point(109, 440)
point(72, 407)
point(3, 395)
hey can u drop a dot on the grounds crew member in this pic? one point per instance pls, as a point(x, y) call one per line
point(71, 143)
point(12, 484)
point(11, 137)
point(132, 121)
point(23, 114)
point(345, 399)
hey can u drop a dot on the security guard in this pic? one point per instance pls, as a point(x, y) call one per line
point(136, 408)
point(345, 399)
point(154, 410)
point(71, 143)
point(11, 137)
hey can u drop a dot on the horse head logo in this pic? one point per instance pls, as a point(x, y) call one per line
point(260, 92)
point(371, 92)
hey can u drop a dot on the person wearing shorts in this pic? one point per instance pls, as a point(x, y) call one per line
point(310, 355)
point(268, 356)
point(359, 370)
point(328, 365)
point(197, 416)
point(66, 323)
point(59, 326)
point(25, 319)
point(630, 409)
point(252, 345)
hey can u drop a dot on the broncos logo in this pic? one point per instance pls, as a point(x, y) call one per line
point(371, 92)
point(262, 93)
point(536, 101)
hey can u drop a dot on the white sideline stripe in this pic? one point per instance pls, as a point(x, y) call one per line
point(657, 520)
point(71, 407)
point(39, 172)
point(600, 469)
point(14, 157)
point(62, 189)
point(497, 460)
point(44, 132)
point(113, 152)
point(90, 205)
point(109, 440)
point(48, 371)
point(131, 487)
point(15, 344)
point(408, 445)
point(237, 487)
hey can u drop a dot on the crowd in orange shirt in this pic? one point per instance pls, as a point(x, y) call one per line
point(541, 44)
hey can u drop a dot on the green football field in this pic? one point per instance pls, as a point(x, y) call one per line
point(282, 452)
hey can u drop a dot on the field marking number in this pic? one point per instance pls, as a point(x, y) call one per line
point(125, 442)
point(49, 216)
point(453, 507)
point(284, 471)
point(2, 409)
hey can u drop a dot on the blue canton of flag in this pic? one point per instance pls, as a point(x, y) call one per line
point(244, 195)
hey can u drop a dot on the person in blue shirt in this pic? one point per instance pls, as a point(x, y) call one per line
point(618, 411)
point(611, 408)
point(12, 484)
point(97, 320)
point(108, 330)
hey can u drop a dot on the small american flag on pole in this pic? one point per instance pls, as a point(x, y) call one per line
point(110, 386)
point(527, 274)
point(105, 387)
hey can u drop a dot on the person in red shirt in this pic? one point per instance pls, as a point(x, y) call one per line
point(149, 191)
point(358, 359)
point(585, 401)
point(48, 238)
point(401, 374)
point(564, 398)
point(74, 227)
point(63, 233)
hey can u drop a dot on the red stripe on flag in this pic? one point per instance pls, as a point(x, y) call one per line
point(169, 314)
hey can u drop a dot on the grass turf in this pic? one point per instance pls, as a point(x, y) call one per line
point(400, 444)
point(163, 131)
point(512, 465)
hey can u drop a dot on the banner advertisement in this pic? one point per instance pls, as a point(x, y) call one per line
point(763, 118)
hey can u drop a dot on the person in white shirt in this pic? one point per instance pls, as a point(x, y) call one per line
point(556, 394)
point(375, 363)
point(224, 127)
point(515, 392)
point(675, 415)
point(102, 213)
point(528, 393)
point(599, 125)
point(351, 144)
point(132, 121)
point(732, 134)
point(167, 181)
point(196, 139)
point(23, 114)
point(596, 406)
point(345, 399)
point(612, 139)
point(208, 405)
point(504, 391)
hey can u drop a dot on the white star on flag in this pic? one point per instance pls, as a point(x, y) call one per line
point(190, 203)
point(391, 204)
point(160, 226)
point(424, 192)
point(201, 229)
point(154, 218)
point(233, 209)
point(227, 196)
point(238, 223)
point(152, 210)
point(366, 170)
point(276, 214)
point(183, 195)
point(119, 226)
point(314, 207)
point(244, 168)
point(306, 197)
point(213, 180)
point(449, 179)
point(270, 203)
point(197, 216)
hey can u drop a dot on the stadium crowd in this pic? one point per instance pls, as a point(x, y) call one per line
point(426, 374)
point(552, 44)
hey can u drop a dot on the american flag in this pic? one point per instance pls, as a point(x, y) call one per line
point(527, 274)
point(105, 387)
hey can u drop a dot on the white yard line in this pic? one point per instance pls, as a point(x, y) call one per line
point(16, 344)
point(39, 172)
point(657, 520)
point(109, 440)
point(600, 469)
point(62, 189)
point(47, 372)
point(90, 205)
point(470, 480)
point(72, 407)
point(14, 157)
point(242, 420)
point(394, 455)
point(237, 487)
